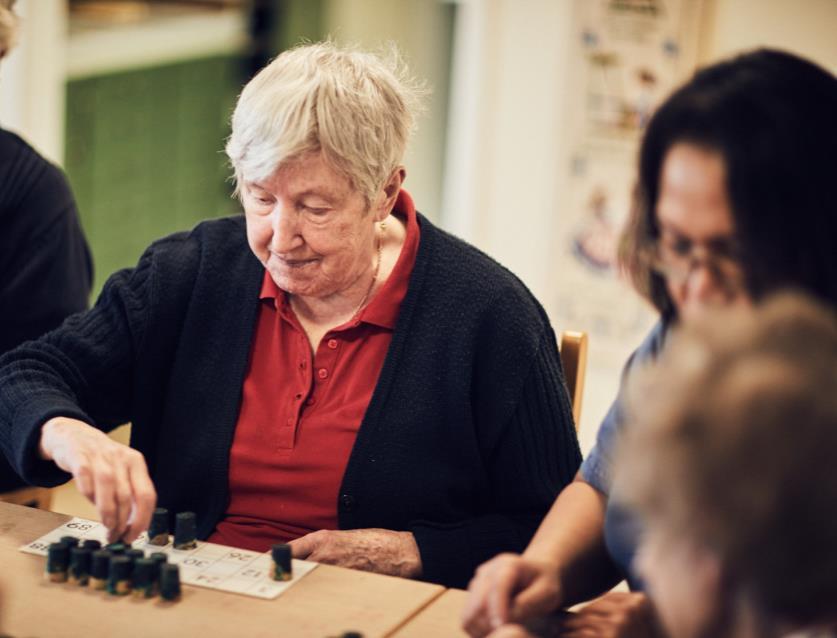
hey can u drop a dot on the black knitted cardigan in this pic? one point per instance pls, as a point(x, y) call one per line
point(466, 441)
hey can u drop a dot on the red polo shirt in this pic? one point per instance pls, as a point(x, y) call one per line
point(300, 413)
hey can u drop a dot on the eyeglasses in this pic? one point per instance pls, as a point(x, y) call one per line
point(677, 258)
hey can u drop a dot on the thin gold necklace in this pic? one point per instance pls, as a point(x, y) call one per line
point(374, 279)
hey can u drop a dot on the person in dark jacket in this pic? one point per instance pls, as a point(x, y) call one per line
point(45, 266)
point(330, 369)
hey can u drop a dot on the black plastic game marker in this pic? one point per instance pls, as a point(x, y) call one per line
point(58, 559)
point(135, 554)
point(159, 559)
point(119, 577)
point(185, 534)
point(169, 582)
point(99, 569)
point(79, 571)
point(70, 541)
point(282, 563)
point(143, 579)
point(158, 531)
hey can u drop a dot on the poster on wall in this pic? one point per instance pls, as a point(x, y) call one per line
point(628, 55)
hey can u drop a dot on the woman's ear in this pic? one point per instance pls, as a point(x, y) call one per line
point(390, 192)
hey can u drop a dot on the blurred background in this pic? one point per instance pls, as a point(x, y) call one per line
point(526, 149)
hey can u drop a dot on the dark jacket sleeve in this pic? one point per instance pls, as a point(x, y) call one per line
point(82, 370)
point(529, 458)
point(47, 271)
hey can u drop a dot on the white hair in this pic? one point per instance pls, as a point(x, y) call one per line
point(357, 108)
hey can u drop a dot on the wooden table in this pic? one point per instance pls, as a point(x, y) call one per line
point(440, 618)
point(327, 602)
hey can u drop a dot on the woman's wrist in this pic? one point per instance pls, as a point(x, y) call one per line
point(51, 431)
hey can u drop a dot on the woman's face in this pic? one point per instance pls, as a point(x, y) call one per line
point(312, 231)
point(697, 243)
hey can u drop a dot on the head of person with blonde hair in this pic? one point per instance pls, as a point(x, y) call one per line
point(729, 461)
point(318, 136)
point(355, 108)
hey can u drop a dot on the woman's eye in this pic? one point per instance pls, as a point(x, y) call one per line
point(315, 211)
point(261, 200)
point(682, 246)
point(679, 246)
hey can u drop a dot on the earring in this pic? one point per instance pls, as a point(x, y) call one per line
point(383, 227)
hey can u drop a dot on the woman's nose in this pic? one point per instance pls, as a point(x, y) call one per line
point(285, 225)
point(703, 288)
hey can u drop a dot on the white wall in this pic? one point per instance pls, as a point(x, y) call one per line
point(806, 27)
point(419, 28)
point(32, 77)
point(506, 149)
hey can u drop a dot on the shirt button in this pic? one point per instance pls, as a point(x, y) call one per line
point(322, 373)
point(289, 422)
point(348, 501)
point(332, 343)
point(310, 401)
point(302, 365)
point(298, 396)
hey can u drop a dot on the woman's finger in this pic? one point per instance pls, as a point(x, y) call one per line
point(475, 618)
point(145, 497)
point(105, 486)
point(83, 477)
point(124, 497)
point(504, 582)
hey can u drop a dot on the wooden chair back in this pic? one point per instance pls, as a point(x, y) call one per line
point(574, 361)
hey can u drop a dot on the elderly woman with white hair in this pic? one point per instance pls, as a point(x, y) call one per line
point(329, 369)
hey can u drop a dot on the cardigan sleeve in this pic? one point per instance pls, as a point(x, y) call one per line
point(81, 370)
point(535, 455)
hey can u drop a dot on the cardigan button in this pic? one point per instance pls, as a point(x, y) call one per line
point(348, 501)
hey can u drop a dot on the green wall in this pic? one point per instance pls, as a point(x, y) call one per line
point(144, 154)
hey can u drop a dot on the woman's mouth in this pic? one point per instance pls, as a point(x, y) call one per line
point(288, 262)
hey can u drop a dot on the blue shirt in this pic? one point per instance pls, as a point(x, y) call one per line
point(622, 529)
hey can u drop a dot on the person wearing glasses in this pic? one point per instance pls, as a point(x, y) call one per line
point(734, 200)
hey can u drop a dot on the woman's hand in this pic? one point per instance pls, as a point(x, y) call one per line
point(113, 476)
point(509, 588)
point(373, 550)
point(614, 615)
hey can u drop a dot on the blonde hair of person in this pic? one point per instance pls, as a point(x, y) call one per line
point(731, 446)
point(355, 107)
point(8, 27)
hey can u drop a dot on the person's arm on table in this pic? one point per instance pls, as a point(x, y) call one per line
point(565, 563)
point(532, 455)
point(53, 391)
point(111, 475)
point(382, 551)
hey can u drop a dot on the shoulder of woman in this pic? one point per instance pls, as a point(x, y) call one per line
point(457, 268)
point(219, 239)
